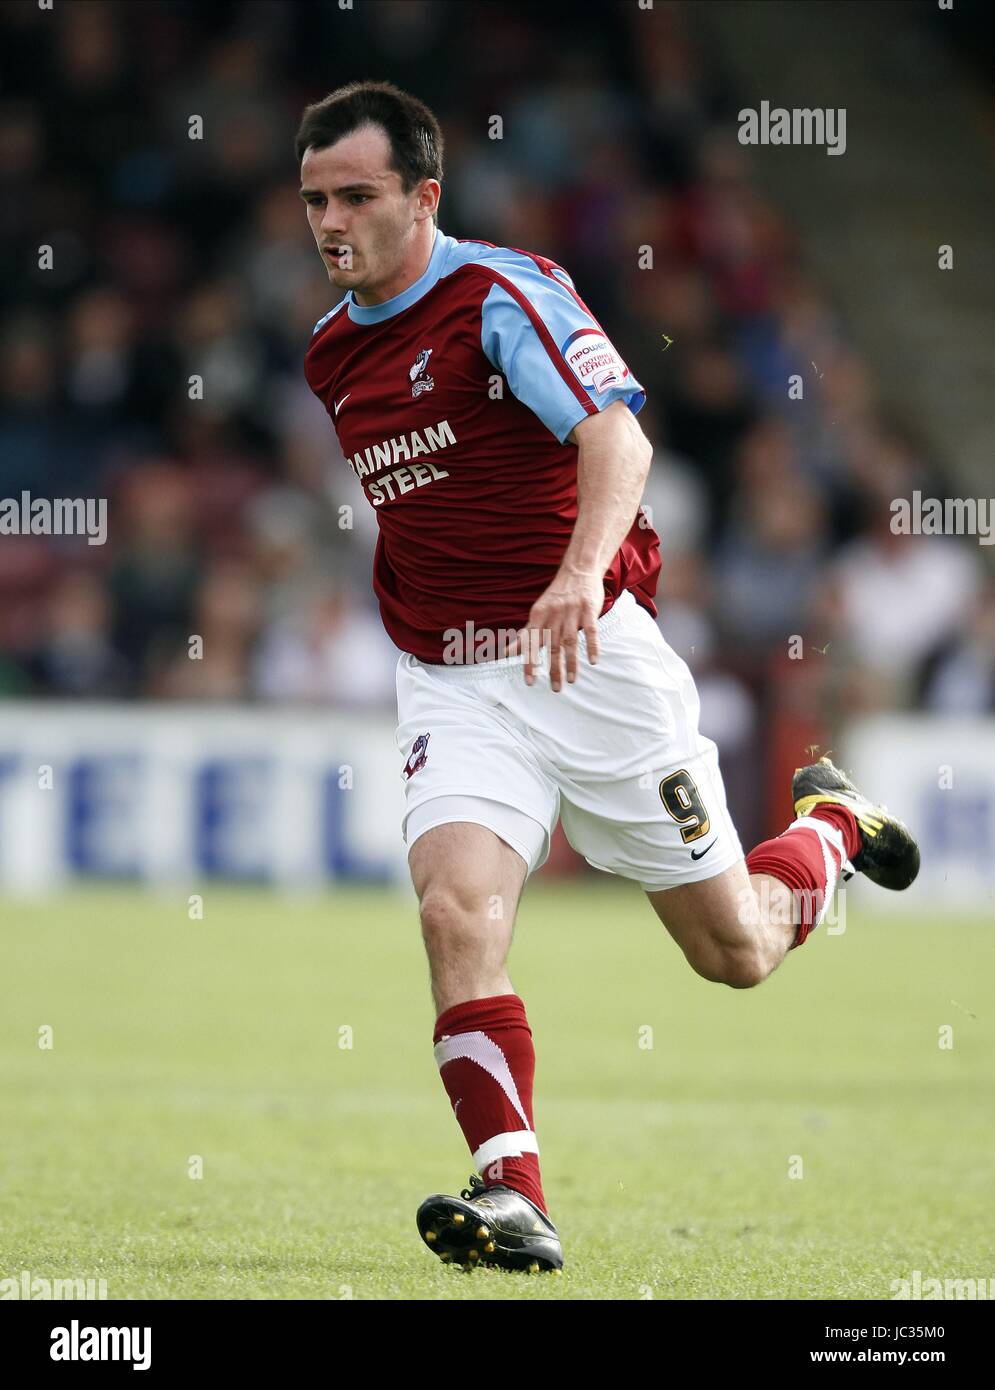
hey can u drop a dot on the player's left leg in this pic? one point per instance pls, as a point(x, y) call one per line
point(641, 795)
point(737, 927)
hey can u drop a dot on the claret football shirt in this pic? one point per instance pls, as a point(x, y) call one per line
point(452, 403)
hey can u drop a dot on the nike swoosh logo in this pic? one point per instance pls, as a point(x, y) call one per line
point(341, 403)
point(700, 853)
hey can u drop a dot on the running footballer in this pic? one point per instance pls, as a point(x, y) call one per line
point(493, 428)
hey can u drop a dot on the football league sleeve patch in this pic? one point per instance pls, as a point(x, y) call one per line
point(553, 353)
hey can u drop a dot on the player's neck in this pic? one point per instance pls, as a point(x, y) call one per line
point(412, 270)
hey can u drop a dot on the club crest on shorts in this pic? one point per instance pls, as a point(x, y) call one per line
point(418, 373)
point(418, 756)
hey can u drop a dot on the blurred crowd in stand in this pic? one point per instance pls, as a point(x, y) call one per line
point(233, 516)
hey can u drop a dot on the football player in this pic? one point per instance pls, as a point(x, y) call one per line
point(492, 426)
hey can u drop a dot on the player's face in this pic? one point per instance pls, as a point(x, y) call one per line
point(366, 228)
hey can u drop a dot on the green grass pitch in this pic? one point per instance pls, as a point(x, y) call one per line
point(666, 1167)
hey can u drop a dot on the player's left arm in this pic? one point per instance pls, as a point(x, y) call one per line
point(613, 459)
point(559, 362)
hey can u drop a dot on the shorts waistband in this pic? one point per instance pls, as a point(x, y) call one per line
point(481, 670)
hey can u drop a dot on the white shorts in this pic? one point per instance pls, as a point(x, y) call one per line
point(617, 756)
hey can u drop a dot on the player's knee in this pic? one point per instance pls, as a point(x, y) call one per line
point(448, 921)
point(738, 966)
point(744, 967)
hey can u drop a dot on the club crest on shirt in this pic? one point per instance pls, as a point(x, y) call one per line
point(593, 360)
point(418, 756)
point(418, 373)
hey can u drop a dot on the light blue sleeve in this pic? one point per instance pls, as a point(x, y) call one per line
point(556, 359)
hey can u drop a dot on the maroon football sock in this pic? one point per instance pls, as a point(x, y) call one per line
point(810, 859)
point(485, 1056)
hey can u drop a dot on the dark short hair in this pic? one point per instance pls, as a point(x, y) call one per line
point(415, 137)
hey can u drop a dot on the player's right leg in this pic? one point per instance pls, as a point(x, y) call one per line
point(480, 810)
point(468, 882)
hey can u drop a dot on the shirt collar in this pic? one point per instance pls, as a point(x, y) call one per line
point(376, 313)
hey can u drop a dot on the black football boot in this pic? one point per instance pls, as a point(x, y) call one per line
point(888, 854)
point(490, 1226)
